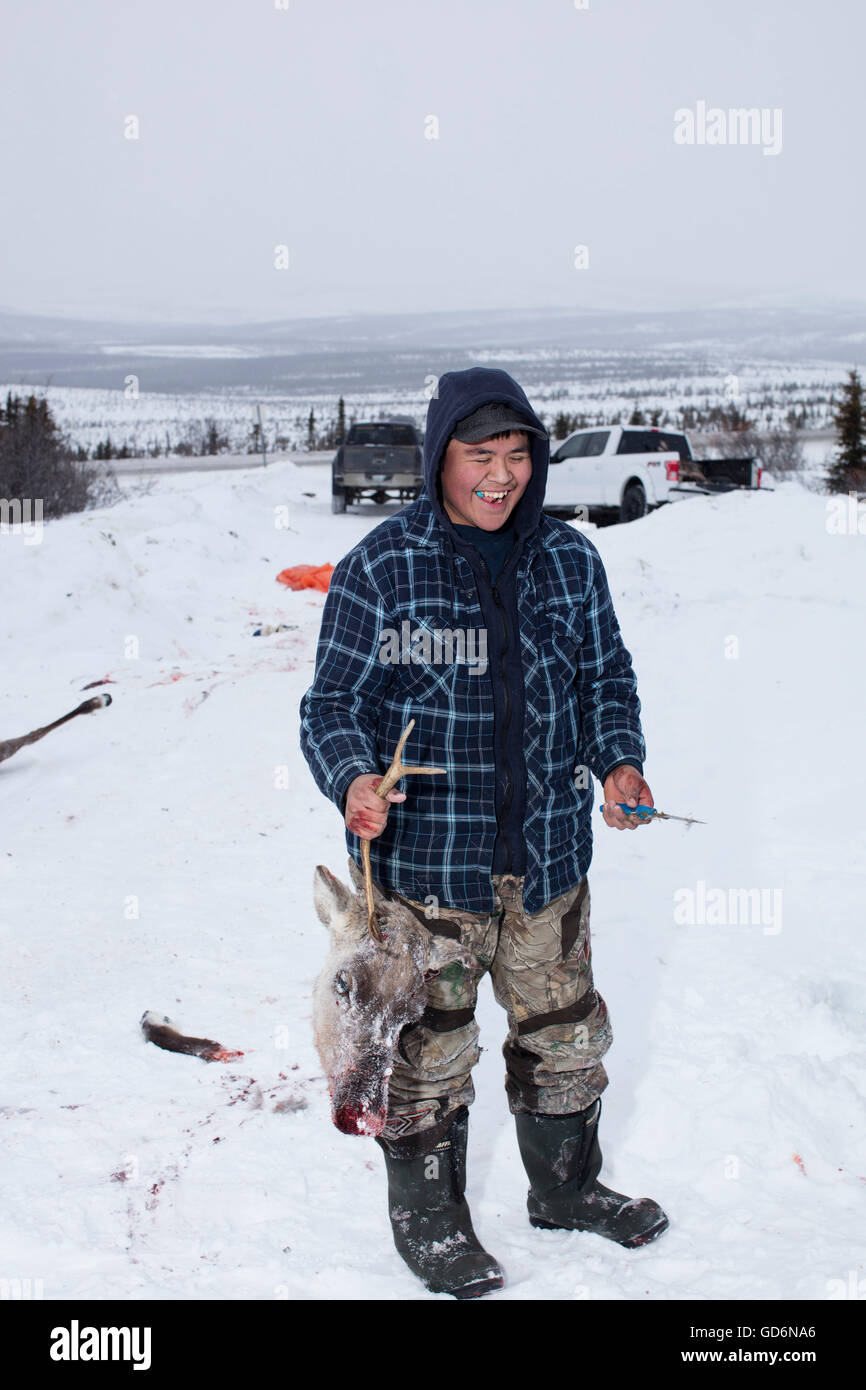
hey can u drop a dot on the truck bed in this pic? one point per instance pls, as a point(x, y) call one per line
point(718, 475)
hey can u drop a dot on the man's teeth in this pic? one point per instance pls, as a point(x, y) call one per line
point(492, 496)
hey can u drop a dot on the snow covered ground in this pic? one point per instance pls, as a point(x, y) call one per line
point(159, 855)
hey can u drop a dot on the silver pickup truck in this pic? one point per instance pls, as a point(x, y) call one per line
point(380, 459)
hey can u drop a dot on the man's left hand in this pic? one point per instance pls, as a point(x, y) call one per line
point(627, 785)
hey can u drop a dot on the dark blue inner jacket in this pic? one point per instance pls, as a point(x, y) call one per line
point(494, 558)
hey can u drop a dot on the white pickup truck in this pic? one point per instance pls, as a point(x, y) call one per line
point(623, 471)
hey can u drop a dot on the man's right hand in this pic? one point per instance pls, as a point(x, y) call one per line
point(367, 813)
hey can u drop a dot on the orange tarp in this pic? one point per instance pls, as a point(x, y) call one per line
point(307, 577)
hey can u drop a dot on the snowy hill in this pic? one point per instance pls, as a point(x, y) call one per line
point(159, 855)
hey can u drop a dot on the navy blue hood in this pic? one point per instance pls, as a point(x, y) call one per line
point(458, 395)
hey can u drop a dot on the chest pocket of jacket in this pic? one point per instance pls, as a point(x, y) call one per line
point(430, 677)
point(566, 635)
point(423, 683)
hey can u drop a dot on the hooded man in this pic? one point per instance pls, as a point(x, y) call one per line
point(540, 693)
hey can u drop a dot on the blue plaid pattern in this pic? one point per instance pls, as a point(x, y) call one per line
point(581, 707)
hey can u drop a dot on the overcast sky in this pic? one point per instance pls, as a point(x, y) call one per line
point(307, 127)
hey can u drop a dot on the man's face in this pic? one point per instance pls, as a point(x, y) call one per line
point(490, 468)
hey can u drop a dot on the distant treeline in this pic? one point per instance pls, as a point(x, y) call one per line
point(694, 419)
point(203, 438)
point(37, 460)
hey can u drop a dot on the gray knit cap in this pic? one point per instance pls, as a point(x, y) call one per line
point(493, 418)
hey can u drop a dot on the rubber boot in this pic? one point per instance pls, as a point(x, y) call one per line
point(429, 1214)
point(562, 1158)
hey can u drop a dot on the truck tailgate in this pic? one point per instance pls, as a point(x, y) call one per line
point(379, 462)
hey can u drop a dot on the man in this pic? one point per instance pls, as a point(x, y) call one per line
point(496, 852)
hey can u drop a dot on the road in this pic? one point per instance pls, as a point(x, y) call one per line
point(215, 463)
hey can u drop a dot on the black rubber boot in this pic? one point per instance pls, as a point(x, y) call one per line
point(562, 1158)
point(429, 1214)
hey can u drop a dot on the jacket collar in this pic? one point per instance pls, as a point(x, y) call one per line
point(423, 527)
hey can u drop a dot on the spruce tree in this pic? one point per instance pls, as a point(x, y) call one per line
point(341, 421)
point(38, 462)
point(214, 442)
point(847, 472)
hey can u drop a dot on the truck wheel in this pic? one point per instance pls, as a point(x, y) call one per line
point(633, 503)
point(338, 499)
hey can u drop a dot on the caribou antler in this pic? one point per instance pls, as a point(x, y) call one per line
point(393, 775)
point(11, 745)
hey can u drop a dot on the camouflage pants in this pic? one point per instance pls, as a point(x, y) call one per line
point(541, 971)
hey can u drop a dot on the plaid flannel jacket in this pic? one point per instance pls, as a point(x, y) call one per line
point(581, 715)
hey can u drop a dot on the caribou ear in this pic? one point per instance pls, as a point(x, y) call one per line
point(443, 951)
point(331, 899)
